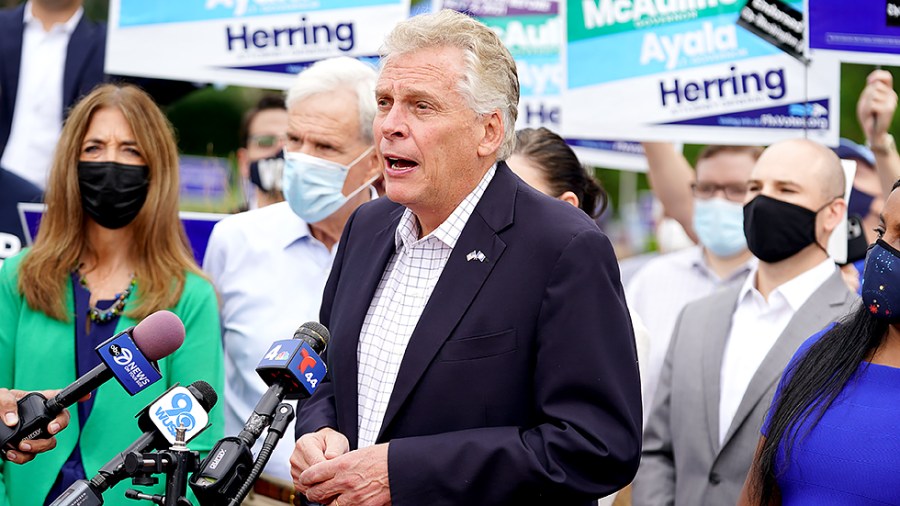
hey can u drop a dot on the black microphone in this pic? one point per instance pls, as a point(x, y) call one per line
point(127, 355)
point(176, 406)
point(293, 369)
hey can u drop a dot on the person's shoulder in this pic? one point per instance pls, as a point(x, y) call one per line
point(12, 14)
point(10, 266)
point(550, 215)
point(663, 265)
point(14, 188)
point(196, 285)
point(379, 210)
point(256, 222)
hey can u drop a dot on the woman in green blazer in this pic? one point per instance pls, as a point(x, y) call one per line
point(110, 251)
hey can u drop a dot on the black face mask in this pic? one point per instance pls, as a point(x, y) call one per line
point(266, 173)
point(112, 194)
point(777, 230)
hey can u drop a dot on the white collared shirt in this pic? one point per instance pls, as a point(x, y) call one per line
point(755, 327)
point(659, 291)
point(270, 273)
point(38, 114)
point(405, 287)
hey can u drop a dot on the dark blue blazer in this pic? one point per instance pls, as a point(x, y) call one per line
point(84, 63)
point(520, 382)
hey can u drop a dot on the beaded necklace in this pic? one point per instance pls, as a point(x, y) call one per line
point(98, 315)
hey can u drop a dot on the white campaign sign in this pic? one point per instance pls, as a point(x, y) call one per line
point(260, 43)
point(689, 73)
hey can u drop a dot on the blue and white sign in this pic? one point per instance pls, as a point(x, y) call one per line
point(861, 32)
point(258, 43)
point(685, 71)
point(178, 408)
point(127, 363)
point(533, 33)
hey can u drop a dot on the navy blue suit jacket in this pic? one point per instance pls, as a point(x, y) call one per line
point(520, 381)
point(84, 63)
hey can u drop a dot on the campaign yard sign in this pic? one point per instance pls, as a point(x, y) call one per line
point(685, 70)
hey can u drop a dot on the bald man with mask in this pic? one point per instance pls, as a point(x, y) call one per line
point(704, 423)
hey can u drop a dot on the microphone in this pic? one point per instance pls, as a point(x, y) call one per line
point(176, 406)
point(127, 355)
point(293, 369)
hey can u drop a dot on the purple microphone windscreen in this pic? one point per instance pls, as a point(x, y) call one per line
point(159, 334)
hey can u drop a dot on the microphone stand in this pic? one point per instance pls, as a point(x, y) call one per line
point(284, 414)
point(175, 463)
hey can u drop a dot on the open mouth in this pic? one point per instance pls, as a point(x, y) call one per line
point(400, 164)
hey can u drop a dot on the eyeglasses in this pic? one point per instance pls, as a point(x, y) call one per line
point(734, 192)
point(267, 141)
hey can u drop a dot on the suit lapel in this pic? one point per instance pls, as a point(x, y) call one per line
point(460, 281)
point(717, 327)
point(822, 307)
point(368, 274)
point(80, 48)
point(11, 47)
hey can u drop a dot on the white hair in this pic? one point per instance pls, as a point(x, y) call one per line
point(340, 73)
point(489, 82)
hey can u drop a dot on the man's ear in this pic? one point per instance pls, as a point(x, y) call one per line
point(374, 166)
point(493, 134)
point(833, 214)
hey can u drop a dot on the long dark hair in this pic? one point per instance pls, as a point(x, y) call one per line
point(561, 168)
point(811, 385)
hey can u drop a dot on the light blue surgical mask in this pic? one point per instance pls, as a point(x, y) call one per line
point(719, 224)
point(312, 185)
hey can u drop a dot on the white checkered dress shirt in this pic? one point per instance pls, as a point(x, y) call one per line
point(404, 289)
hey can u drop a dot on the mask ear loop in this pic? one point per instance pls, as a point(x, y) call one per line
point(825, 250)
point(366, 184)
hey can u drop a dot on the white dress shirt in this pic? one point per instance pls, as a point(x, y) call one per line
point(38, 114)
point(408, 280)
point(270, 273)
point(755, 327)
point(659, 291)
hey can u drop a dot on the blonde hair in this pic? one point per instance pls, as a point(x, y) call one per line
point(159, 245)
point(489, 82)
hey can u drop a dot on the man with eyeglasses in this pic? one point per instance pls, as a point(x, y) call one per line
point(260, 159)
point(711, 210)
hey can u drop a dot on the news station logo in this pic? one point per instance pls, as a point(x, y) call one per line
point(130, 367)
point(178, 408)
point(310, 367)
point(893, 12)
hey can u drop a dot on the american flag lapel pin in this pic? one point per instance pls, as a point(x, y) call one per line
point(475, 255)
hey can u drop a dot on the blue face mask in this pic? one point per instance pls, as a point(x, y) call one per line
point(312, 186)
point(720, 226)
point(881, 282)
point(860, 203)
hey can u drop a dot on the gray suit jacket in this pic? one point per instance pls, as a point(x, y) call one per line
point(682, 462)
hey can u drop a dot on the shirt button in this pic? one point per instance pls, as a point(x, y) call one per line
point(714, 478)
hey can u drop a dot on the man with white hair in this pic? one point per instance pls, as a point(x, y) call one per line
point(481, 349)
point(269, 265)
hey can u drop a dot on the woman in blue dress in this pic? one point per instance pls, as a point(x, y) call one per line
point(832, 434)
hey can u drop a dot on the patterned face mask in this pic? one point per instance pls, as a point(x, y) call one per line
point(881, 282)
